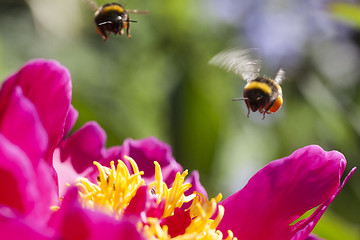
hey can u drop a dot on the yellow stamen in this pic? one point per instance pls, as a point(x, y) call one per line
point(174, 197)
point(116, 187)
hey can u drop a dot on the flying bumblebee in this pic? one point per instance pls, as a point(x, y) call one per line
point(113, 18)
point(261, 94)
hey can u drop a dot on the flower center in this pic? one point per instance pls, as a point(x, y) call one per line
point(116, 188)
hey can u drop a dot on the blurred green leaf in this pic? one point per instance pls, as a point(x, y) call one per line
point(346, 12)
point(333, 227)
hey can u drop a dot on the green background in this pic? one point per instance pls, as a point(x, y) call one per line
point(159, 83)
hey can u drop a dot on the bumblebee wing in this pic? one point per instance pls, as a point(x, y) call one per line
point(280, 76)
point(241, 62)
point(92, 4)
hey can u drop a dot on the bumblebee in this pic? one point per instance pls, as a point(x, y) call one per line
point(261, 93)
point(113, 18)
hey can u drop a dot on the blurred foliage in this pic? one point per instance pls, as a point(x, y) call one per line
point(349, 13)
point(332, 226)
point(158, 83)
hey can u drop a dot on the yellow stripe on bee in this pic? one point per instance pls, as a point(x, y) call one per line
point(113, 8)
point(259, 85)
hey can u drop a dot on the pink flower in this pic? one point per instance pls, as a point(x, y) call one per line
point(283, 191)
point(36, 115)
point(34, 104)
point(47, 85)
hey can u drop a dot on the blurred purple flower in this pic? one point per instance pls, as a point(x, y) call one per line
point(281, 29)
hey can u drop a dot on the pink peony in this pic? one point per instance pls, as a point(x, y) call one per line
point(135, 199)
point(34, 104)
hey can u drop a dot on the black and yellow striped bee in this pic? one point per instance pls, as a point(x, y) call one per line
point(113, 18)
point(261, 94)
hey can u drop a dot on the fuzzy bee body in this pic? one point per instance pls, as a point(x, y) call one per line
point(112, 17)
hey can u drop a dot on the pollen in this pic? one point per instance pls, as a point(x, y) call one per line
point(116, 187)
point(114, 190)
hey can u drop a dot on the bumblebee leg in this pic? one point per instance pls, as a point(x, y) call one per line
point(105, 37)
point(266, 111)
point(128, 28)
point(103, 33)
point(248, 114)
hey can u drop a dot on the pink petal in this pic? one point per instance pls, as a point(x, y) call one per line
point(127, 230)
point(148, 150)
point(154, 209)
point(74, 222)
point(47, 85)
point(177, 223)
point(76, 154)
point(14, 228)
point(70, 120)
point(138, 203)
point(21, 124)
point(15, 169)
point(114, 153)
point(194, 179)
point(84, 146)
point(145, 152)
point(141, 203)
point(281, 192)
point(29, 191)
point(304, 227)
